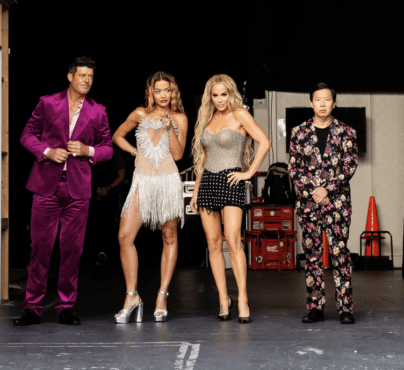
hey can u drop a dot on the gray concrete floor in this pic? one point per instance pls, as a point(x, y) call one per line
point(193, 339)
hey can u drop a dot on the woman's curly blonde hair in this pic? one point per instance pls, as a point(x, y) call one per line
point(176, 102)
point(205, 115)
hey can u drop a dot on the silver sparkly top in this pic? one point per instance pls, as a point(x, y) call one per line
point(224, 149)
point(154, 152)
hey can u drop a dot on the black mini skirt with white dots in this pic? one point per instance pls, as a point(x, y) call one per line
point(215, 192)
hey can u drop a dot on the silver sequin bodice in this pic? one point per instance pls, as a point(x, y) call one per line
point(224, 149)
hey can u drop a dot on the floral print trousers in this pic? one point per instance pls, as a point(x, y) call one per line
point(336, 228)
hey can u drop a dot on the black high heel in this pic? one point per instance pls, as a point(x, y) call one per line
point(226, 317)
point(246, 319)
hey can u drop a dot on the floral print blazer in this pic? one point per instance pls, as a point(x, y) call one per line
point(309, 169)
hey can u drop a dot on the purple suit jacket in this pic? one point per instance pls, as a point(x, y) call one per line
point(48, 127)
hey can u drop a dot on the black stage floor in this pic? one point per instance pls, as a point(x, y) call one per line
point(193, 339)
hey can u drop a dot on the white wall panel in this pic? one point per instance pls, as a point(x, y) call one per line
point(380, 171)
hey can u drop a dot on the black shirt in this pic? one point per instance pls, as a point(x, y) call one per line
point(322, 135)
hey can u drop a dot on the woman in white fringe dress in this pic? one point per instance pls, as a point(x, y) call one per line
point(155, 198)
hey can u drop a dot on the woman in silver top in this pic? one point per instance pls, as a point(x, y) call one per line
point(223, 158)
point(155, 197)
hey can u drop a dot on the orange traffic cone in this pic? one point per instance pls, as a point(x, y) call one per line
point(372, 224)
point(326, 252)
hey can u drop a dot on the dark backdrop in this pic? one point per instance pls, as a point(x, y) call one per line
point(355, 48)
point(277, 47)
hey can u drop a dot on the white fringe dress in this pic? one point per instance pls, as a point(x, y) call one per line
point(156, 182)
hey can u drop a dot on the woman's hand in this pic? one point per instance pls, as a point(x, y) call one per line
point(178, 133)
point(235, 177)
point(192, 203)
point(167, 122)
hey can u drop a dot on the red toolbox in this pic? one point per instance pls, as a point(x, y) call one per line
point(267, 252)
point(263, 218)
point(270, 237)
point(255, 255)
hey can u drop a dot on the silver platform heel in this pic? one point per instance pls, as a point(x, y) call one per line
point(158, 310)
point(124, 316)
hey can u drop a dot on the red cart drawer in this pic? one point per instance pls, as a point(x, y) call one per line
point(274, 249)
point(266, 218)
point(267, 213)
point(275, 225)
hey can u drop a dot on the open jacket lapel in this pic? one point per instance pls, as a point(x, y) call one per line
point(329, 149)
point(61, 110)
point(312, 133)
point(313, 138)
point(83, 119)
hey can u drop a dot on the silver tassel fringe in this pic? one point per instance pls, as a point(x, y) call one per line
point(161, 200)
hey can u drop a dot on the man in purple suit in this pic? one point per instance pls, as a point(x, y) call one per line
point(67, 133)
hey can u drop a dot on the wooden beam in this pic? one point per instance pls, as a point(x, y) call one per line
point(4, 224)
point(1, 23)
point(5, 149)
point(7, 3)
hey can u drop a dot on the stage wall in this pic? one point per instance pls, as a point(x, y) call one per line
point(381, 170)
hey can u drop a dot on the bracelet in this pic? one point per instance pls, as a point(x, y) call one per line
point(132, 153)
point(110, 187)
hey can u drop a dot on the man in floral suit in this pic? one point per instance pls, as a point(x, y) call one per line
point(323, 158)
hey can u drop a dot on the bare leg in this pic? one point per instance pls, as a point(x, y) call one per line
point(213, 229)
point(168, 260)
point(128, 229)
point(232, 217)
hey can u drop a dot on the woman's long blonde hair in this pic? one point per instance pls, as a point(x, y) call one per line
point(176, 102)
point(205, 115)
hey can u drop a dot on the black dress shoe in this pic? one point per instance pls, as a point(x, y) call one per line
point(29, 317)
point(226, 317)
point(314, 316)
point(347, 318)
point(68, 317)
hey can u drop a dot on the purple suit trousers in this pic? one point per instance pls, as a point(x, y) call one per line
point(47, 213)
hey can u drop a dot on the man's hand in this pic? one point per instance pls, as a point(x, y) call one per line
point(325, 202)
point(319, 194)
point(58, 155)
point(77, 149)
point(104, 191)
